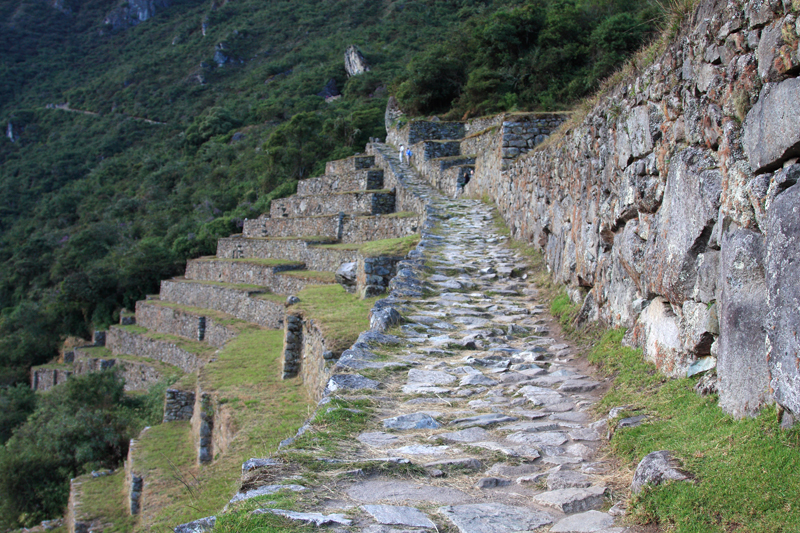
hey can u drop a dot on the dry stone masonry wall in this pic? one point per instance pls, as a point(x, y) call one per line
point(344, 228)
point(368, 203)
point(671, 207)
point(164, 319)
point(360, 180)
point(121, 342)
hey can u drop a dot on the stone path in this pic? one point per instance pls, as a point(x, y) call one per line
point(476, 392)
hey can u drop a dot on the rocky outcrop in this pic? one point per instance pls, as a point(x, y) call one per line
point(354, 62)
point(667, 208)
point(132, 12)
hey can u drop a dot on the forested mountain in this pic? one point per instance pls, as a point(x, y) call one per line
point(138, 132)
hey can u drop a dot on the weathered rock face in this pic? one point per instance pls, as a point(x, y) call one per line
point(672, 202)
point(354, 62)
point(132, 12)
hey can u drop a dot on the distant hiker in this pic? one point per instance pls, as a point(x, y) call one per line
point(402, 152)
point(408, 155)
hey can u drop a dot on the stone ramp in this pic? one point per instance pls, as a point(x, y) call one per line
point(480, 415)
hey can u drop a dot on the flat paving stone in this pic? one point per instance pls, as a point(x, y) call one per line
point(495, 518)
point(473, 434)
point(378, 439)
point(411, 421)
point(421, 449)
point(399, 515)
point(585, 434)
point(568, 479)
point(266, 490)
point(530, 426)
point(469, 463)
point(579, 385)
point(570, 501)
point(376, 491)
point(545, 438)
point(318, 519)
point(477, 379)
point(430, 377)
point(482, 420)
point(588, 522)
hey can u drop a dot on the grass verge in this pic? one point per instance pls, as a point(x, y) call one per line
point(104, 497)
point(341, 316)
point(246, 378)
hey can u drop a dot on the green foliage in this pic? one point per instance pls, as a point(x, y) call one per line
point(81, 425)
point(16, 403)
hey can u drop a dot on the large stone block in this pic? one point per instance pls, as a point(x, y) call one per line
point(771, 134)
point(658, 333)
point(742, 362)
point(783, 293)
point(684, 224)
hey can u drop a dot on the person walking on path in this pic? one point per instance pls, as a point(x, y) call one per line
point(402, 153)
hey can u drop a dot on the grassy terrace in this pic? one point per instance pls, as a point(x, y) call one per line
point(262, 292)
point(398, 247)
point(263, 408)
point(219, 317)
point(104, 497)
point(745, 471)
point(342, 316)
point(200, 348)
point(311, 275)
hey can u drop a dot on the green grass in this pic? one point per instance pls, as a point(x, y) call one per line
point(333, 426)
point(398, 247)
point(342, 316)
point(104, 498)
point(96, 351)
point(311, 275)
point(246, 378)
point(746, 470)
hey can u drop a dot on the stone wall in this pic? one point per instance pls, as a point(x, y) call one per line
point(360, 180)
point(178, 405)
point(315, 258)
point(346, 229)
point(368, 203)
point(436, 173)
point(374, 274)
point(427, 150)
point(138, 375)
point(134, 481)
point(316, 364)
point(343, 166)
point(46, 377)
point(292, 346)
point(226, 271)
point(123, 342)
point(165, 319)
point(212, 426)
point(666, 208)
point(242, 303)
point(417, 131)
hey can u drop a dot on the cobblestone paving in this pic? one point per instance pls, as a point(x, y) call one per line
point(475, 391)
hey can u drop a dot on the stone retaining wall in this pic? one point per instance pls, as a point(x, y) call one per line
point(436, 173)
point(360, 180)
point(369, 203)
point(134, 481)
point(212, 426)
point(666, 208)
point(178, 405)
point(315, 258)
point(343, 166)
point(123, 342)
point(417, 131)
point(77, 520)
point(138, 375)
point(316, 364)
point(374, 274)
point(241, 303)
point(44, 378)
point(346, 229)
point(292, 346)
point(163, 319)
point(428, 150)
point(220, 270)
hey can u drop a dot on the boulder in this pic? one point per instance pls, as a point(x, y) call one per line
point(383, 319)
point(346, 276)
point(771, 135)
point(783, 295)
point(656, 468)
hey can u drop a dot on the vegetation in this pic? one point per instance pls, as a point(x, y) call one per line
point(341, 316)
point(80, 426)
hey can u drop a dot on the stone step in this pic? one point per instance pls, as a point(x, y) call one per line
point(173, 350)
point(355, 203)
point(358, 180)
point(251, 303)
point(316, 253)
point(346, 229)
point(203, 325)
point(356, 162)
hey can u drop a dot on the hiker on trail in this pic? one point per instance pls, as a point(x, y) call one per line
point(408, 155)
point(402, 152)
